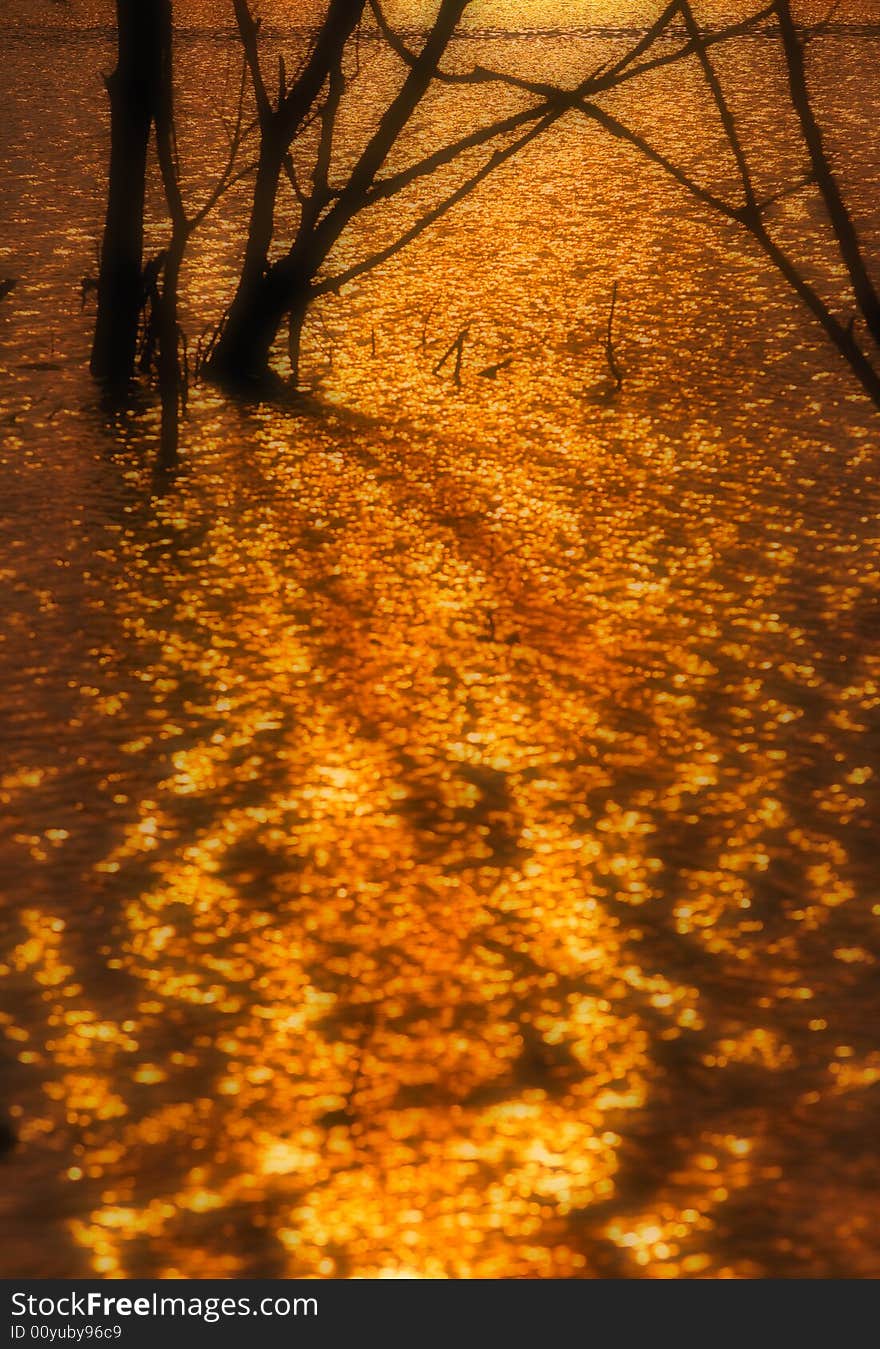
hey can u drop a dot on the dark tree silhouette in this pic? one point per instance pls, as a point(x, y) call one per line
point(823, 175)
point(265, 293)
point(130, 290)
point(143, 29)
point(751, 212)
point(271, 290)
point(300, 123)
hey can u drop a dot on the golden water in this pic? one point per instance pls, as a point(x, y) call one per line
point(440, 820)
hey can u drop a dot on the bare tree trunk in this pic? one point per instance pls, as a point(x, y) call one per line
point(263, 300)
point(133, 89)
point(243, 352)
point(262, 221)
point(256, 314)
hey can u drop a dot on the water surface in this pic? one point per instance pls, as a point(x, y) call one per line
point(439, 820)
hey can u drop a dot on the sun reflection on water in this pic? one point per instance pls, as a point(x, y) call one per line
point(441, 832)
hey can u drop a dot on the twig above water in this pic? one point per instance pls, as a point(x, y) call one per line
point(610, 355)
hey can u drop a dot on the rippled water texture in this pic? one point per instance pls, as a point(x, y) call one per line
point(439, 820)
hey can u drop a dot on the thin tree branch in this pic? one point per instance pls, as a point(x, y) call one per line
point(864, 290)
point(724, 112)
point(335, 283)
point(842, 337)
point(621, 131)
